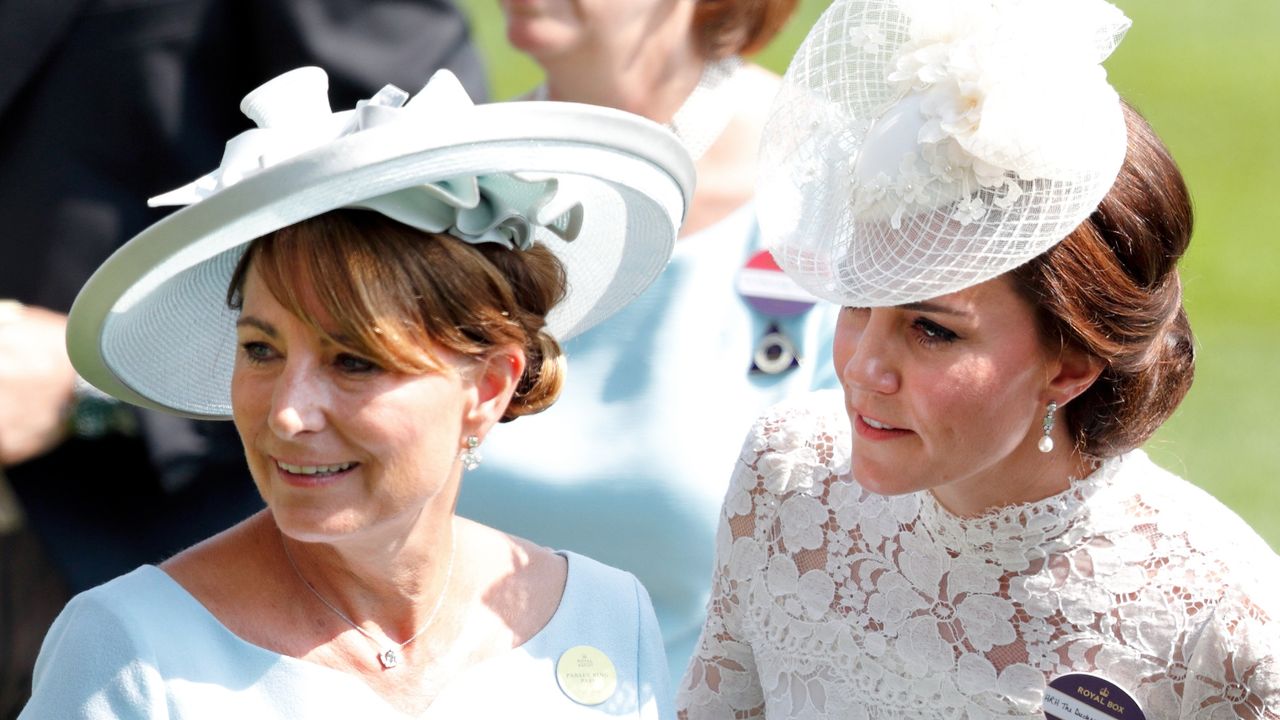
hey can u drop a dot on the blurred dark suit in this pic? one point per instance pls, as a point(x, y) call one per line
point(104, 103)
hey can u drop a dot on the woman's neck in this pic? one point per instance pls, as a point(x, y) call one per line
point(1026, 477)
point(396, 583)
point(653, 81)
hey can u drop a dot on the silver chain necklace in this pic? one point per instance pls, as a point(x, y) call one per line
point(706, 112)
point(389, 656)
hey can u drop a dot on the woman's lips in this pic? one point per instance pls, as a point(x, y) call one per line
point(313, 475)
point(873, 429)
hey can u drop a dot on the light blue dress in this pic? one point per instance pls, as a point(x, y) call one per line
point(631, 463)
point(141, 646)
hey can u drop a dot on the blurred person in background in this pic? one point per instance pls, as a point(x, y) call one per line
point(630, 465)
point(102, 104)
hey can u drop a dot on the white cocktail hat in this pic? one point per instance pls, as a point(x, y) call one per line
point(919, 147)
point(605, 190)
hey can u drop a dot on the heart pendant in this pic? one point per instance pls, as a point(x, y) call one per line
point(389, 658)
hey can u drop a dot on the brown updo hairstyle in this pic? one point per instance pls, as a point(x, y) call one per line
point(394, 293)
point(1111, 289)
point(739, 27)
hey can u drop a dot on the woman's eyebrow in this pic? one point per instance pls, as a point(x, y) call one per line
point(931, 307)
point(254, 322)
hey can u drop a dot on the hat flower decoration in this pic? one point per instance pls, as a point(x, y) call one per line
point(604, 190)
point(922, 146)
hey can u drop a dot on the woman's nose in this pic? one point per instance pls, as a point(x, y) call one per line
point(297, 401)
point(871, 366)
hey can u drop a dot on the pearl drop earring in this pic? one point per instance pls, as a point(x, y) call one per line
point(1046, 442)
point(470, 455)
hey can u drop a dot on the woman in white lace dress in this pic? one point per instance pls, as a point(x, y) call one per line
point(970, 526)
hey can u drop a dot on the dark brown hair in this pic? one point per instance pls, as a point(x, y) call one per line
point(739, 27)
point(395, 292)
point(1111, 289)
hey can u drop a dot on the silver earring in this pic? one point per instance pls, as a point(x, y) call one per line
point(1046, 442)
point(470, 456)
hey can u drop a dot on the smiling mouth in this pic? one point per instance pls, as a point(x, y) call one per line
point(315, 470)
point(877, 424)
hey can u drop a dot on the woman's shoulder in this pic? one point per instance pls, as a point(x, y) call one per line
point(591, 578)
point(135, 601)
point(558, 586)
point(136, 613)
point(132, 616)
point(1178, 508)
point(608, 608)
point(106, 649)
point(1208, 557)
point(602, 626)
point(1225, 579)
point(599, 604)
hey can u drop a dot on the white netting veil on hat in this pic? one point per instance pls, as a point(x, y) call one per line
point(919, 147)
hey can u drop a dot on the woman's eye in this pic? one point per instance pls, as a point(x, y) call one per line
point(354, 364)
point(257, 352)
point(931, 332)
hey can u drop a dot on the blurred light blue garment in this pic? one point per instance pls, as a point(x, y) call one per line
point(631, 463)
point(141, 646)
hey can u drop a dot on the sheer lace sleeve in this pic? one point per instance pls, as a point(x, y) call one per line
point(786, 452)
point(1233, 670)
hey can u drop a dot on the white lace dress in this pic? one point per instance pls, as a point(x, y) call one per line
point(832, 602)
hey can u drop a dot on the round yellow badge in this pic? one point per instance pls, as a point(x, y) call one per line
point(586, 675)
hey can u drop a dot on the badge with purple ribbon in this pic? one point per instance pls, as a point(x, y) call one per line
point(769, 290)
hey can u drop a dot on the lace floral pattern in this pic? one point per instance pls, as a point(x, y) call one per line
point(832, 602)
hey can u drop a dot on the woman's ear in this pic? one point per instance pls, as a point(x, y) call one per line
point(495, 379)
point(1072, 374)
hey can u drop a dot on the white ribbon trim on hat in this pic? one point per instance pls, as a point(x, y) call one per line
point(293, 117)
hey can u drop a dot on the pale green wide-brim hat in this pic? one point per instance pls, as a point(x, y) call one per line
point(605, 190)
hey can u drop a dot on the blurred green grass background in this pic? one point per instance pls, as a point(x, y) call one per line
point(1207, 76)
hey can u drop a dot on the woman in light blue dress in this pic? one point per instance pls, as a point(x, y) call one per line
point(630, 465)
point(367, 294)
